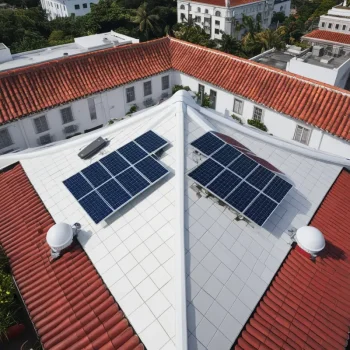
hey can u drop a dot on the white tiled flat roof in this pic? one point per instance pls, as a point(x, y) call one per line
point(229, 263)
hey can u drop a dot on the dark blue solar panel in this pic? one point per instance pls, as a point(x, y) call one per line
point(132, 152)
point(114, 163)
point(277, 188)
point(260, 177)
point(243, 166)
point(78, 186)
point(150, 141)
point(206, 172)
point(114, 194)
point(226, 155)
point(242, 196)
point(224, 184)
point(260, 209)
point(151, 169)
point(94, 205)
point(207, 144)
point(96, 174)
point(132, 181)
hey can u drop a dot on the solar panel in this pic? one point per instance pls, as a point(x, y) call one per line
point(206, 172)
point(242, 196)
point(150, 168)
point(96, 174)
point(226, 155)
point(207, 144)
point(277, 189)
point(78, 186)
point(243, 166)
point(107, 185)
point(260, 177)
point(132, 152)
point(132, 181)
point(114, 194)
point(150, 141)
point(224, 184)
point(260, 210)
point(114, 163)
point(95, 206)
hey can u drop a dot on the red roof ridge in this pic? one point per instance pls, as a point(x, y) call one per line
point(266, 67)
point(329, 36)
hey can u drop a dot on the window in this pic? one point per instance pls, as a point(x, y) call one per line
point(281, 8)
point(198, 9)
point(5, 139)
point(329, 25)
point(217, 23)
point(92, 108)
point(212, 98)
point(40, 124)
point(197, 19)
point(301, 135)
point(84, 6)
point(344, 27)
point(238, 106)
point(130, 94)
point(257, 114)
point(206, 11)
point(77, 7)
point(147, 88)
point(44, 140)
point(182, 7)
point(183, 17)
point(217, 31)
point(165, 82)
point(67, 115)
point(217, 13)
point(201, 91)
point(337, 26)
point(323, 24)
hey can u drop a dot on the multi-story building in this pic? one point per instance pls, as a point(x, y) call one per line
point(327, 59)
point(217, 16)
point(66, 8)
point(282, 6)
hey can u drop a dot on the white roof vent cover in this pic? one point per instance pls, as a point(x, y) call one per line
point(310, 239)
point(59, 236)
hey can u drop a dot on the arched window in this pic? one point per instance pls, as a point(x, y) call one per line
point(217, 13)
point(206, 11)
point(182, 7)
point(198, 9)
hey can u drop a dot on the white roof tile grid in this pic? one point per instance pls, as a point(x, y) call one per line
point(229, 264)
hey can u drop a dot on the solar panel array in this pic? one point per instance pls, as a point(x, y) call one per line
point(107, 185)
point(241, 181)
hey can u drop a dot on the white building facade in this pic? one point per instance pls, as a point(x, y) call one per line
point(282, 6)
point(215, 19)
point(67, 8)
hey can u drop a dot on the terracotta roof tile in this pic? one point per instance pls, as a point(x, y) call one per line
point(50, 84)
point(307, 305)
point(67, 300)
point(329, 36)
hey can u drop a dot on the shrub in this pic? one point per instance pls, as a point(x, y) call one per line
point(238, 119)
point(257, 124)
point(132, 109)
point(176, 88)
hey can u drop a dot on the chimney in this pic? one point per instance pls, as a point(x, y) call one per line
point(310, 241)
point(5, 53)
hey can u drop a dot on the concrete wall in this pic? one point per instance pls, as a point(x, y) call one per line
point(56, 8)
point(277, 124)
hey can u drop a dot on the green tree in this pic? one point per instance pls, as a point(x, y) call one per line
point(269, 39)
point(230, 44)
point(146, 21)
point(194, 34)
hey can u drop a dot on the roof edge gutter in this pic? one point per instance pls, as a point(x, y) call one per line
point(180, 267)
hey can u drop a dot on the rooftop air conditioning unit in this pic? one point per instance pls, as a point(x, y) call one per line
point(336, 50)
point(326, 59)
point(44, 140)
point(70, 129)
point(317, 51)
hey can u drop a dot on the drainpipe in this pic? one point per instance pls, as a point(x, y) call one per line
point(180, 272)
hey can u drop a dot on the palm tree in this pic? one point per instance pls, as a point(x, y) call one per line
point(146, 21)
point(269, 39)
point(230, 44)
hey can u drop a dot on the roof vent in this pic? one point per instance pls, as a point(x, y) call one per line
point(65, 53)
point(60, 236)
point(310, 239)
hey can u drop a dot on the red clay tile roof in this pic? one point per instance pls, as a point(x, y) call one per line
point(307, 306)
point(329, 36)
point(67, 300)
point(32, 89)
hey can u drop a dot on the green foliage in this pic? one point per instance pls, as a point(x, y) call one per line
point(257, 124)
point(231, 45)
point(278, 17)
point(176, 88)
point(204, 100)
point(193, 34)
point(237, 118)
point(132, 109)
point(146, 21)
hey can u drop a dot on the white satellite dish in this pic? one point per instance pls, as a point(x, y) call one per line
point(310, 239)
